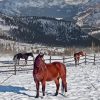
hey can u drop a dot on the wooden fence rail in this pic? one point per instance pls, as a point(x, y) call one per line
point(10, 66)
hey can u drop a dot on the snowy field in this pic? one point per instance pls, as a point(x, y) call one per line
point(83, 84)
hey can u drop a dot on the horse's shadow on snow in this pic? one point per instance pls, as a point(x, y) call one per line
point(20, 90)
point(14, 89)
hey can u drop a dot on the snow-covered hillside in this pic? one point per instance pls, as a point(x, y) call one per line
point(83, 12)
point(5, 28)
point(66, 8)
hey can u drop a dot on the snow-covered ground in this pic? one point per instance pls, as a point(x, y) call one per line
point(83, 84)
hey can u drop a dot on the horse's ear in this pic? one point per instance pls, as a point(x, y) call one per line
point(41, 55)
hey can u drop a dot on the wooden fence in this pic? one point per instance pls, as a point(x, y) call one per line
point(10, 67)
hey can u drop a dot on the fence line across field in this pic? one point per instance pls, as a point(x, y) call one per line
point(12, 67)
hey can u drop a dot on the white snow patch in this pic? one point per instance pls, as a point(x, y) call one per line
point(59, 18)
point(83, 84)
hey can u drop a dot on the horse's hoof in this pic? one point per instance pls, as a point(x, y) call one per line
point(56, 94)
point(44, 97)
point(65, 94)
point(36, 96)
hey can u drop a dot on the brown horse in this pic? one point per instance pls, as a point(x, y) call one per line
point(77, 57)
point(43, 72)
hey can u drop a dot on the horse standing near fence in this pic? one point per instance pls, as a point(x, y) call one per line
point(77, 57)
point(19, 56)
point(43, 72)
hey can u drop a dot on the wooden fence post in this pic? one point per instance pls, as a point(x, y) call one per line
point(50, 58)
point(63, 59)
point(15, 69)
point(33, 59)
point(94, 60)
point(85, 58)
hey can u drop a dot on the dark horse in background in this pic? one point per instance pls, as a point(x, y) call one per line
point(19, 56)
point(43, 72)
point(77, 57)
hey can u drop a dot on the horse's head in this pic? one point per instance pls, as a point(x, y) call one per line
point(31, 54)
point(39, 61)
point(15, 57)
point(82, 53)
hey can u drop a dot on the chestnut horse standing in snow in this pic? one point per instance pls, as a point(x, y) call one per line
point(77, 57)
point(43, 72)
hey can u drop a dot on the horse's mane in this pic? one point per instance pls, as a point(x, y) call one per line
point(29, 53)
point(36, 60)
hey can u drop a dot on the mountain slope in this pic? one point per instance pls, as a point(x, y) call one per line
point(47, 31)
point(56, 8)
point(84, 13)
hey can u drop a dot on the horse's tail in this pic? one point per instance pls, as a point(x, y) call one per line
point(14, 58)
point(63, 77)
point(62, 87)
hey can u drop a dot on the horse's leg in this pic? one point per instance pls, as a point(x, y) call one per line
point(57, 86)
point(18, 61)
point(75, 62)
point(75, 58)
point(78, 61)
point(15, 61)
point(64, 83)
point(37, 89)
point(25, 61)
point(43, 87)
